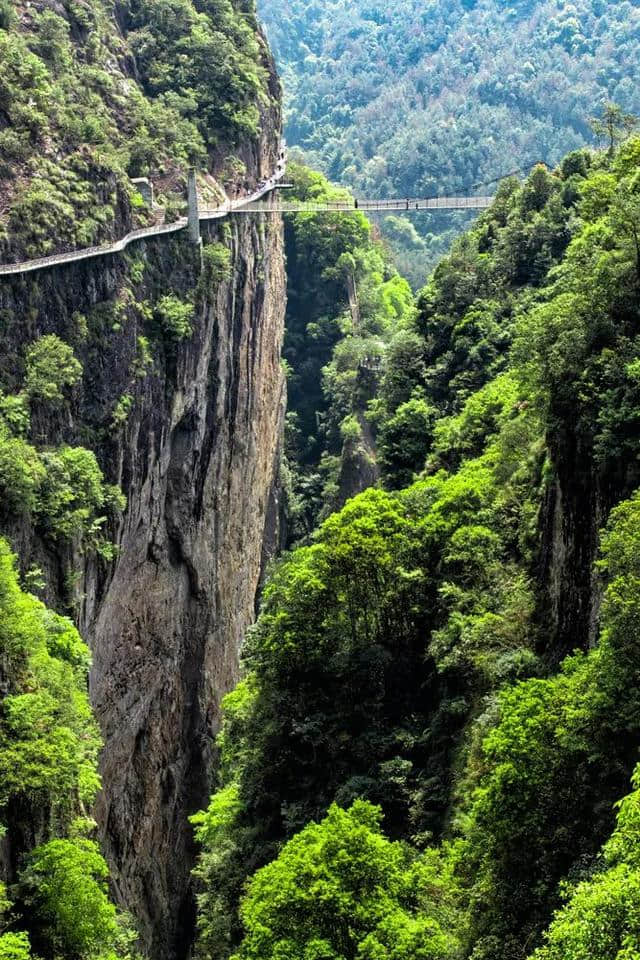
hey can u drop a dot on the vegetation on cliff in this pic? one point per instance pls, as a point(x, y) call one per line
point(57, 904)
point(345, 301)
point(411, 657)
point(91, 96)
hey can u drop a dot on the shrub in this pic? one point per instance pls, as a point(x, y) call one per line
point(21, 474)
point(174, 317)
point(217, 262)
point(14, 946)
point(7, 15)
point(51, 367)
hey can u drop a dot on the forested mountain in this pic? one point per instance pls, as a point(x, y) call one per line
point(417, 98)
point(360, 679)
point(440, 704)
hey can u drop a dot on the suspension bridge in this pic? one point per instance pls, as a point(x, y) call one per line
point(255, 203)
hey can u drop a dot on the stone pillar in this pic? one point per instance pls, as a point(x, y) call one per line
point(194, 219)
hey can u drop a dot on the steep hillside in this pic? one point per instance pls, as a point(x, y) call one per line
point(416, 99)
point(141, 410)
point(411, 662)
point(94, 93)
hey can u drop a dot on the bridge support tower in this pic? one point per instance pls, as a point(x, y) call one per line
point(193, 212)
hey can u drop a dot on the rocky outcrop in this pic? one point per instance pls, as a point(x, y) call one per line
point(579, 496)
point(358, 466)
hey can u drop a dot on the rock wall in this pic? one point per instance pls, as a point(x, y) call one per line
point(579, 496)
point(197, 458)
point(168, 630)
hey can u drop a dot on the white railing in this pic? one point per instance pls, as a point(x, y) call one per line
point(426, 203)
point(229, 206)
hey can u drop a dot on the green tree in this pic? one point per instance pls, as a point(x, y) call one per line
point(341, 890)
point(65, 887)
point(613, 124)
point(15, 946)
point(405, 439)
point(51, 368)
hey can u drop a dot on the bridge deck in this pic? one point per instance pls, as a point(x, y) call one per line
point(411, 204)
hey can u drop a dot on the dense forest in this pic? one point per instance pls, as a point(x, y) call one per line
point(428, 753)
point(416, 99)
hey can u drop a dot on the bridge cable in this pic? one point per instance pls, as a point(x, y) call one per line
point(512, 173)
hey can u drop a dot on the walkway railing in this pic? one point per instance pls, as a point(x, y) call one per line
point(411, 204)
point(87, 252)
point(229, 206)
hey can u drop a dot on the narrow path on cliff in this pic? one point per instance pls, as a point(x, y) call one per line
point(249, 205)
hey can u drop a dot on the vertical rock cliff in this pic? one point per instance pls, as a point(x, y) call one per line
point(167, 631)
point(181, 397)
point(197, 458)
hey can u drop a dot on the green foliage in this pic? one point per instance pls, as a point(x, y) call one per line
point(50, 368)
point(7, 15)
point(463, 436)
point(65, 888)
point(14, 413)
point(174, 317)
point(344, 303)
point(216, 261)
point(73, 495)
point(14, 946)
point(600, 920)
point(144, 358)
point(563, 744)
point(122, 410)
point(62, 490)
point(48, 740)
point(81, 120)
point(404, 441)
point(21, 473)
point(49, 745)
point(343, 697)
point(341, 889)
point(205, 58)
point(412, 655)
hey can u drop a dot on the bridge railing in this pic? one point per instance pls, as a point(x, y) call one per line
point(407, 204)
point(87, 252)
point(253, 204)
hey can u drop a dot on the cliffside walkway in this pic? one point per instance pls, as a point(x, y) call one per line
point(249, 204)
point(230, 206)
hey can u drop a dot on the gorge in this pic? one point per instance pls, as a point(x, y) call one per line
point(319, 597)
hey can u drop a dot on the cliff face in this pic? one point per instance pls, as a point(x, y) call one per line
point(574, 511)
point(167, 631)
point(197, 459)
point(188, 424)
